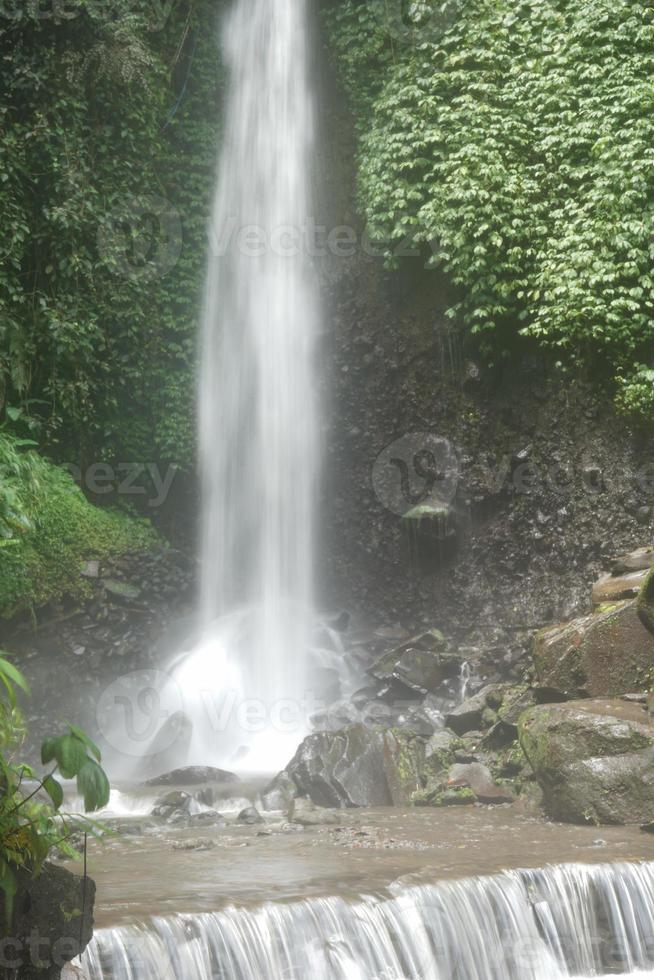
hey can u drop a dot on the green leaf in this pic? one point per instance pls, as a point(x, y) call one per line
point(11, 674)
point(48, 750)
point(54, 790)
point(94, 786)
point(70, 753)
point(89, 743)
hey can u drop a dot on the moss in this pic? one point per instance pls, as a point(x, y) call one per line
point(456, 796)
point(60, 531)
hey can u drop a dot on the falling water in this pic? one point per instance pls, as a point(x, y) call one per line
point(259, 431)
point(568, 921)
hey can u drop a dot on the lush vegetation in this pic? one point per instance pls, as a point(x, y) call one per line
point(107, 145)
point(31, 820)
point(48, 528)
point(514, 143)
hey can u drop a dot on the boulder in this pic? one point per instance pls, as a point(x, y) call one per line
point(612, 588)
point(176, 807)
point(646, 602)
point(479, 711)
point(249, 816)
point(467, 716)
point(478, 778)
point(594, 760)
point(193, 776)
point(419, 665)
point(358, 766)
point(57, 907)
point(601, 655)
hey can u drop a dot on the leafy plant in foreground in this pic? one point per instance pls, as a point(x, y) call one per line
point(31, 819)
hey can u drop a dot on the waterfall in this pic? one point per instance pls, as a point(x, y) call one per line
point(259, 428)
point(568, 921)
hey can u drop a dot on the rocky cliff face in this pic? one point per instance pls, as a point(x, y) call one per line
point(542, 485)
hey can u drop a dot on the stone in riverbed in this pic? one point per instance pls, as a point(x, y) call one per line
point(193, 776)
point(594, 760)
point(478, 778)
point(358, 766)
point(249, 816)
point(307, 814)
point(602, 655)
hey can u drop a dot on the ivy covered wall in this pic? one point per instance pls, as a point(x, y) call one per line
point(514, 143)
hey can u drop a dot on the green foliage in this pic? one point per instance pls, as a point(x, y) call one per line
point(514, 143)
point(31, 820)
point(107, 143)
point(48, 529)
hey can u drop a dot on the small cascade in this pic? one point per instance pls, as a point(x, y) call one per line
point(568, 921)
point(465, 676)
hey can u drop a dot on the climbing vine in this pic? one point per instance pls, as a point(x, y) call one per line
point(108, 128)
point(514, 142)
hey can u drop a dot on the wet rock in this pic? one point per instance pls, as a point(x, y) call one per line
point(646, 602)
point(478, 778)
point(249, 816)
point(176, 807)
point(439, 750)
point(613, 588)
point(602, 655)
point(640, 560)
point(473, 714)
point(420, 664)
point(358, 766)
point(307, 814)
point(594, 760)
point(467, 716)
point(279, 793)
point(193, 776)
point(49, 907)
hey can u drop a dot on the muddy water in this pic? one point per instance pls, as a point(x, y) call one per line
point(367, 850)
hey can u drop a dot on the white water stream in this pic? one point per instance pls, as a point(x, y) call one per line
point(568, 921)
point(259, 427)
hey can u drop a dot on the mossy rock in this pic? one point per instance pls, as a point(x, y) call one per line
point(646, 602)
point(594, 760)
point(602, 655)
